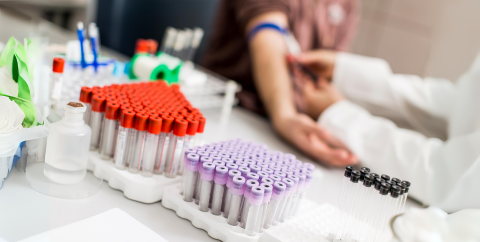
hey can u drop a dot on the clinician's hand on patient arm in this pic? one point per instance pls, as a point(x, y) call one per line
point(274, 86)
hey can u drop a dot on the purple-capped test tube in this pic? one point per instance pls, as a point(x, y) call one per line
point(275, 178)
point(228, 160)
point(216, 157)
point(309, 166)
point(249, 184)
point(241, 164)
point(290, 183)
point(262, 174)
point(231, 166)
point(218, 163)
point(268, 187)
point(287, 211)
point(244, 170)
point(250, 162)
point(268, 170)
point(237, 190)
point(252, 176)
point(206, 179)
point(301, 192)
point(266, 180)
point(198, 184)
point(190, 176)
point(255, 200)
point(279, 173)
point(220, 179)
point(275, 201)
point(236, 159)
point(255, 168)
point(228, 193)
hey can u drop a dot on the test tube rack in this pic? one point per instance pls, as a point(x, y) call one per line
point(312, 223)
point(134, 186)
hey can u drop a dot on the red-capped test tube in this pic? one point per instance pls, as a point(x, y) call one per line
point(201, 127)
point(163, 142)
point(110, 127)
point(86, 98)
point(135, 154)
point(125, 129)
point(189, 141)
point(174, 154)
point(56, 82)
point(151, 144)
point(96, 120)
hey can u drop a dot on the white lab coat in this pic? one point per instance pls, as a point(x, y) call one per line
point(423, 130)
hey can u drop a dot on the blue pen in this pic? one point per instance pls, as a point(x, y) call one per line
point(81, 39)
point(93, 31)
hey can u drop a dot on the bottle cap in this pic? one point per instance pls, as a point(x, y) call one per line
point(348, 171)
point(266, 180)
point(111, 112)
point(180, 127)
point(128, 118)
point(268, 188)
point(355, 177)
point(201, 124)
point(378, 183)
point(167, 124)
point(237, 185)
point(385, 177)
point(407, 185)
point(98, 103)
point(244, 170)
point(154, 125)
point(252, 176)
point(368, 180)
point(192, 126)
point(86, 95)
point(58, 64)
point(232, 166)
point(208, 171)
point(396, 180)
point(366, 169)
point(384, 188)
point(363, 173)
point(374, 175)
point(395, 191)
point(191, 162)
point(255, 168)
point(140, 122)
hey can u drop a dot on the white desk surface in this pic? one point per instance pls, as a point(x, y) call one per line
point(25, 212)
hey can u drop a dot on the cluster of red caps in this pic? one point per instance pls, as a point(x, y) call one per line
point(152, 106)
point(146, 46)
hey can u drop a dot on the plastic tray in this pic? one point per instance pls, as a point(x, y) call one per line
point(134, 186)
point(311, 223)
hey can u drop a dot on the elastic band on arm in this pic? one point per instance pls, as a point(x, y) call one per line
point(262, 26)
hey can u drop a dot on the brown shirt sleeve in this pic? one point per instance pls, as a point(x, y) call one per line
point(246, 10)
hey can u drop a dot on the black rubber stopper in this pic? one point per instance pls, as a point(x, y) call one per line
point(366, 169)
point(368, 181)
point(348, 171)
point(374, 175)
point(378, 183)
point(396, 180)
point(363, 173)
point(355, 176)
point(384, 188)
point(402, 188)
point(385, 177)
point(395, 191)
point(407, 185)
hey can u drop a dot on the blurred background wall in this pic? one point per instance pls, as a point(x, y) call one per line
point(436, 38)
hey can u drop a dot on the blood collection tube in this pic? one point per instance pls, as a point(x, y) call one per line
point(249, 184)
point(56, 82)
point(110, 126)
point(201, 127)
point(255, 168)
point(138, 143)
point(190, 176)
point(174, 154)
point(206, 179)
point(151, 145)
point(255, 200)
point(163, 142)
point(407, 184)
point(302, 190)
point(281, 209)
point(237, 191)
point(274, 204)
point(289, 198)
point(262, 174)
point(381, 217)
point(228, 192)
point(252, 176)
point(293, 198)
point(96, 120)
point(189, 141)
point(339, 214)
point(86, 98)
point(268, 188)
point(221, 176)
point(266, 180)
point(244, 170)
point(198, 184)
point(126, 127)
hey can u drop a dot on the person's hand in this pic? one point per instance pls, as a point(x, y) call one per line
point(301, 131)
point(321, 62)
point(317, 97)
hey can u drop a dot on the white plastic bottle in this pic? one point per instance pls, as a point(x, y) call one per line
point(67, 146)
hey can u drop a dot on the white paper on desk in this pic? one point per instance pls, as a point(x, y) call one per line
point(113, 225)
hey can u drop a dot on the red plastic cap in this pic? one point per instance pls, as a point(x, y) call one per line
point(201, 124)
point(141, 121)
point(86, 95)
point(58, 64)
point(98, 103)
point(111, 112)
point(154, 125)
point(128, 118)
point(177, 116)
point(180, 127)
point(167, 124)
point(142, 46)
point(152, 46)
point(192, 126)
point(151, 114)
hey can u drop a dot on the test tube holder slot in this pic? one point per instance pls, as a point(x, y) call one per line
point(134, 186)
point(312, 223)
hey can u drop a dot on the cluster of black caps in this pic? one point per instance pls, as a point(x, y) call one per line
point(384, 184)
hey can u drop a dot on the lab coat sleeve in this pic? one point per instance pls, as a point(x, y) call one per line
point(422, 104)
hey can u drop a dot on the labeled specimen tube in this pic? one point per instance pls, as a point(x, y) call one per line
point(174, 154)
point(301, 192)
point(267, 180)
point(198, 187)
point(206, 179)
point(190, 176)
point(201, 127)
point(278, 215)
point(110, 126)
point(293, 197)
point(288, 199)
point(252, 176)
point(151, 145)
point(237, 196)
point(138, 143)
point(163, 142)
point(249, 184)
point(268, 188)
point(255, 200)
point(228, 193)
point(221, 177)
point(86, 98)
point(275, 201)
point(96, 120)
point(189, 141)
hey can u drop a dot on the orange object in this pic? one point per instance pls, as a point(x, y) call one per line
point(111, 112)
point(167, 124)
point(140, 121)
point(128, 118)
point(86, 95)
point(180, 127)
point(98, 103)
point(192, 126)
point(58, 64)
point(154, 125)
point(201, 124)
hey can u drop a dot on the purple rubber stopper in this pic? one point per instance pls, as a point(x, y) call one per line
point(244, 170)
point(231, 174)
point(275, 177)
point(191, 162)
point(266, 180)
point(203, 159)
point(250, 162)
point(202, 153)
point(191, 150)
point(276, 153)
point(290, 156)
point(282, 166)
point(253, 176)
point(268, 188)
point(248, 186)
point(309, 166)
point(296, 179)
point(240, 152)
point(288, 172)
point(263, 165)
point(208, 146)
point(262, 174)
point(279, 173)
point(232, 153)
point(221, 175)
point(255, 168)
point(224, 155)
point(208, 171)
point(215, 157)
point(276, 161)
point(242, 156)
point(219, 163)
point(268, 170)
point(241, 164)
point(212, 152)
point(256, 159)
point(278, 190)
point(231, 166)
point(256, 196)
point(236, 159)
point(198, 148)
point(290, 183)
point(227, 160)
point(237, 185)
point(276, 168)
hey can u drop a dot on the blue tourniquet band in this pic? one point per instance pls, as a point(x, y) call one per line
point(261, 26)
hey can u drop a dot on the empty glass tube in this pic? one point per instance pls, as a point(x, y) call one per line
point(198, 187)
point(189, 140)
point(275, 201)
point(228, 193)
point(220, 179)
point(286, 197)
point(206, 185)
point(174, 154)
point(268, 188)
point(163, 142)
point(237, 190)
point(86, 98)
point(126, 125)
point(190, 176)
point(249, 184)
point(140, 127)
point(110, 126)
point(255, 200)
point(151, 144)
point(96, 120)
